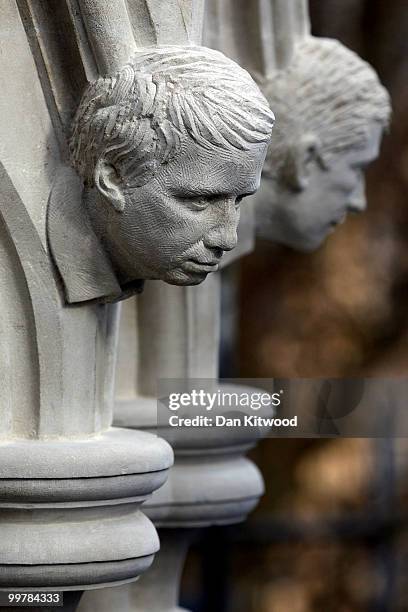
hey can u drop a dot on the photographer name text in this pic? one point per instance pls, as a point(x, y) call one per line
point(223, 421)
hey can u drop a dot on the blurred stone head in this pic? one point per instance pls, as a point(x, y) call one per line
point(169, 146)
point(331, 111)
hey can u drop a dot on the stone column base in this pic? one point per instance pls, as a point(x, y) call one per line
point(70, 514)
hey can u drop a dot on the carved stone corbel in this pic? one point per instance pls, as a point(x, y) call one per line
point(175, 332)
point(71, 486)
point(332, 114)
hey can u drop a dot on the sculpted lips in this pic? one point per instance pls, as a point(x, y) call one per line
point(338, 221)
point(195, 265)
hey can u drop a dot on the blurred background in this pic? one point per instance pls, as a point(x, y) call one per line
point(331, 533)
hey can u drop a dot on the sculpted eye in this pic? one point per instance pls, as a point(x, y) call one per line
point(200, 203)
point(360, 168)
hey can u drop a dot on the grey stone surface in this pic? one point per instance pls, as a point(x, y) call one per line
point(173, 332)
point(109, 32)
point(158, 590)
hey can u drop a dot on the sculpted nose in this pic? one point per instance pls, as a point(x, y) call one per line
point(358, 201)
point(223, 235)
point(357, 205)
point(224, 238)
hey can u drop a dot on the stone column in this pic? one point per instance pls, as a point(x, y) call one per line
point(70, 485)
point(211, 483)
point(173, 332)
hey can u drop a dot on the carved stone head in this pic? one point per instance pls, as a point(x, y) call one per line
point(167, 148)
point(331, 111)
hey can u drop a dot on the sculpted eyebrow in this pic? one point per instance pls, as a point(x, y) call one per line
point(192, 193)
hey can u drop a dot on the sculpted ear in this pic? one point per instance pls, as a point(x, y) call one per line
point(301, 156)
point(108, 184)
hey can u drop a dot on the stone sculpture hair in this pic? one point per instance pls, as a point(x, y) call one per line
point(327, 91)
point(136, 119)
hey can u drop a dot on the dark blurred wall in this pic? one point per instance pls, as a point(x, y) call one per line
point(342, 311)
